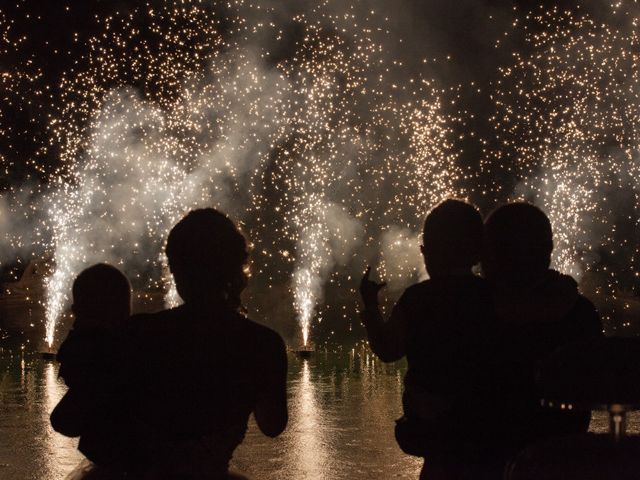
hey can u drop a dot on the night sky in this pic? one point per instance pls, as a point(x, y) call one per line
point(49, 40)
point(478, 54)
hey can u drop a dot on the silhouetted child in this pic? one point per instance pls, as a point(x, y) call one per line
point(89, 361)
point(440, 325)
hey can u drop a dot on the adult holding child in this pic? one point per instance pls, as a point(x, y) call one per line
point(188, 378)
point(540, 310)
point(472, 344)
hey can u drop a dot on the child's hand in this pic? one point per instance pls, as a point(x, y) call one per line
point(369, 289)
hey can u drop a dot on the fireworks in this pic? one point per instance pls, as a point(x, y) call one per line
point(170, 111)
point(301, 127)
point(569, 116)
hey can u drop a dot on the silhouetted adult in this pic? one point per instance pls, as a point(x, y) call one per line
point(541, 310)
point(440, 326)
point(200, 370)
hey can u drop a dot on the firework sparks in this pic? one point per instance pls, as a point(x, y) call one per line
point(568, 114)
point(210, 116)
point(306, 131)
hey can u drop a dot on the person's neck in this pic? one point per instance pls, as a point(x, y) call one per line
point(450, 272)
point(524, 281)
point(208, 303)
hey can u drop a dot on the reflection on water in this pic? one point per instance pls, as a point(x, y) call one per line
point(57, 445)
point(312, 452)
point(342, 410)
point(30, 449)
point(341, 407)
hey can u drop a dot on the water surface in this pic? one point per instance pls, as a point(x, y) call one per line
point(342, 411)
point(342, 408)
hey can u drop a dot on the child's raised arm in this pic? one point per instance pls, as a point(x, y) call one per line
point(387, 339)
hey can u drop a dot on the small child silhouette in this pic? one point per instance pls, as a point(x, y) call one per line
point(88, 359)
point(440, 326)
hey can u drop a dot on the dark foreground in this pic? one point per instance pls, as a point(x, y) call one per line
point(342, 408)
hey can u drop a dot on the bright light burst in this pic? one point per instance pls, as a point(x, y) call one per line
point(189, 105)
point(305, 131)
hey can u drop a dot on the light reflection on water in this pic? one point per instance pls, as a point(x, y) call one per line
point(313, 450)
point(342, 410)
point(56, 444)
point(30, 449)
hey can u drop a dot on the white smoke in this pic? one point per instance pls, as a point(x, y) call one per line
point(328, 240)
point(402, 262)
point(351, 151)
point(134, 183)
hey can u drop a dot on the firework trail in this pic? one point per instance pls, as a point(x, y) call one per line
point(350, 133)
point(221, 122)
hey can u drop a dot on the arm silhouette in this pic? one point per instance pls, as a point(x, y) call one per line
point(271, 407)
point(386, 339)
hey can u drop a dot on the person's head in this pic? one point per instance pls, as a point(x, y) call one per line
point(518, 244)
point(208, 257)
point(452, 238)
point(101, 297)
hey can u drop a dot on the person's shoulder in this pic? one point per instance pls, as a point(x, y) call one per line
point(145, 324)
point(159, 315)
point(584, 304)
point(153, 318)
point(419, 288)
point(265, 345)
point(415, 296)
point(261, 332)
point(454, 283)
point(79, 341)
point(587, 314)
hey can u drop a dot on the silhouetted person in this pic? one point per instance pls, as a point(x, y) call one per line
point(89, 364)
point(541, 310)
point(440, 325)
point(200, 370)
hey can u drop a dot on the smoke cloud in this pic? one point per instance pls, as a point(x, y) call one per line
point(134, 184)
point(327, 129)
point(401, 259)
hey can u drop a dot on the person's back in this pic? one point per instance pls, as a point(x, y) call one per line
point(199, 376)
point(441, 325)
point(449, 321)
point(541, 310)
point(199, 370)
